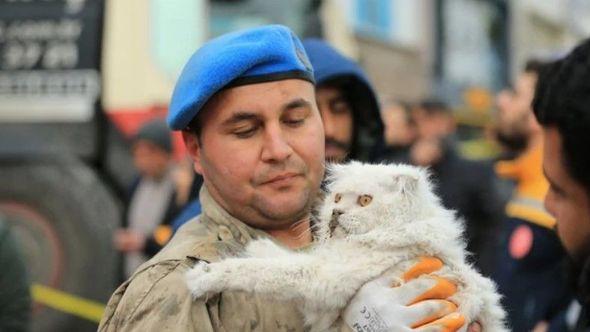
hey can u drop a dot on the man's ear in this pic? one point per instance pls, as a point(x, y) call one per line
point(193, 147)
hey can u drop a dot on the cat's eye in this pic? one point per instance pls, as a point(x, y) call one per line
point(337, 198)
point(364, 200)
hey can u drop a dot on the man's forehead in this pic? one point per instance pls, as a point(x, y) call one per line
point(272, 97)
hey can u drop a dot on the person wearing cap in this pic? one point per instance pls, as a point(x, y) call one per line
point(348, 106)
point(246, 106)
point(152, 198)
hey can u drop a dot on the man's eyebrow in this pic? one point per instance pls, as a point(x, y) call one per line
point(299, 102)
point(339, 98)
point(240, 116)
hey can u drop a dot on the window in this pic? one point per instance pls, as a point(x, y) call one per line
point(373, 18)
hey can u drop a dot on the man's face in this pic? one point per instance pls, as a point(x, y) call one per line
point(433, 125)
point(151, 160)
point(566, 199)
point(338, 122)
point(261, 152)
point(398, 129)
point(515, 121)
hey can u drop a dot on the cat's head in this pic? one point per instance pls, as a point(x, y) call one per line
point(365, 197)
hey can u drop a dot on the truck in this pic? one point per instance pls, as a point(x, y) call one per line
point(63, 165)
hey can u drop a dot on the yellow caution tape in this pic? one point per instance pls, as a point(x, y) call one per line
point(67, 303)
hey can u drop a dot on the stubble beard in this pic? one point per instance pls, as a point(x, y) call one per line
point(277, 216)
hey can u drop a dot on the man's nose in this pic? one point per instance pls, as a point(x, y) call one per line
point(327, 122)
point(276, 147)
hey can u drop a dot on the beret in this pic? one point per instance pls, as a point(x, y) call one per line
point(256, 55)
point(156, 132)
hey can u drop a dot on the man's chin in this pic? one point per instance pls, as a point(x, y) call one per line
point(284, 207)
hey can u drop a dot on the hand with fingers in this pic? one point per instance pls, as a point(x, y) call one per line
point(417, 303)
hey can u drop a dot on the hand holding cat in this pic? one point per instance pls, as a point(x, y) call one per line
point(417, 302)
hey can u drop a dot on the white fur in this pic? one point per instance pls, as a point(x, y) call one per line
point(403, 221)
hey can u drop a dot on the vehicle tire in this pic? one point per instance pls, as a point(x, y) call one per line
point(63, 217)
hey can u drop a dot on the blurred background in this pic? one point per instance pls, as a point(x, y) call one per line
point(79, 78)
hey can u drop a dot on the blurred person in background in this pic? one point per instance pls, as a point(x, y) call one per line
point(529, 251)
point(400, 132)
point(15, 300)
point(347, 103)
point(466, 186)
point(153, 196)
point(506, 129)
point(192, 206)
point(562, 107)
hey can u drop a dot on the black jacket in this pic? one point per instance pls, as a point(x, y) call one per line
point(581, 280)
point(469, 187)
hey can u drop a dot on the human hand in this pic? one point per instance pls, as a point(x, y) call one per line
point(417, 304)
point(127, 240)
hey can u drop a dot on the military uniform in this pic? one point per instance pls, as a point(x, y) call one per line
point(156, 297)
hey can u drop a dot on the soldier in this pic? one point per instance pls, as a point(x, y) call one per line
point(245, 104)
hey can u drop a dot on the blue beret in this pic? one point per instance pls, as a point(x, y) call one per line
point(251, 56)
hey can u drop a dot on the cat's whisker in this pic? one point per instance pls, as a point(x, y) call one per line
point(299, 222)
point(306, 231)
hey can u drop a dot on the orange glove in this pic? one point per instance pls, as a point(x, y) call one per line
point(418, 304)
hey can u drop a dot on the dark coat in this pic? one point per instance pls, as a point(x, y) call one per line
point(152, 245)
point(581, 279)
point(534, 286)
point(469, 188)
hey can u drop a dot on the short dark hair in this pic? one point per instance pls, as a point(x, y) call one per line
point(195, 126)
point(536, 66)
point(562, 100)
point(156, 132)
point(434, 106)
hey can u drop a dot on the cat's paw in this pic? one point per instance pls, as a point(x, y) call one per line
point(204, 279)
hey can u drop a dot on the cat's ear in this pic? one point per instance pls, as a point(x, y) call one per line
point(404, 183)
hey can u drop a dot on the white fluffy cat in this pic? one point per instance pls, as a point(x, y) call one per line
point(373, 219)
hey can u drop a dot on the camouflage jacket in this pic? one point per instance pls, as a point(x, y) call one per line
point(156, 297)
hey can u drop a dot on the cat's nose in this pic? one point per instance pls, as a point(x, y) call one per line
point(337, 213)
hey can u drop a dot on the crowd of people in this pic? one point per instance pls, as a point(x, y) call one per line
point(259, 116)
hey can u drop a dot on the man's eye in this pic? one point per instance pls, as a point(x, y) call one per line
point(340, 108)
point(294, 122)
point(245, 133)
